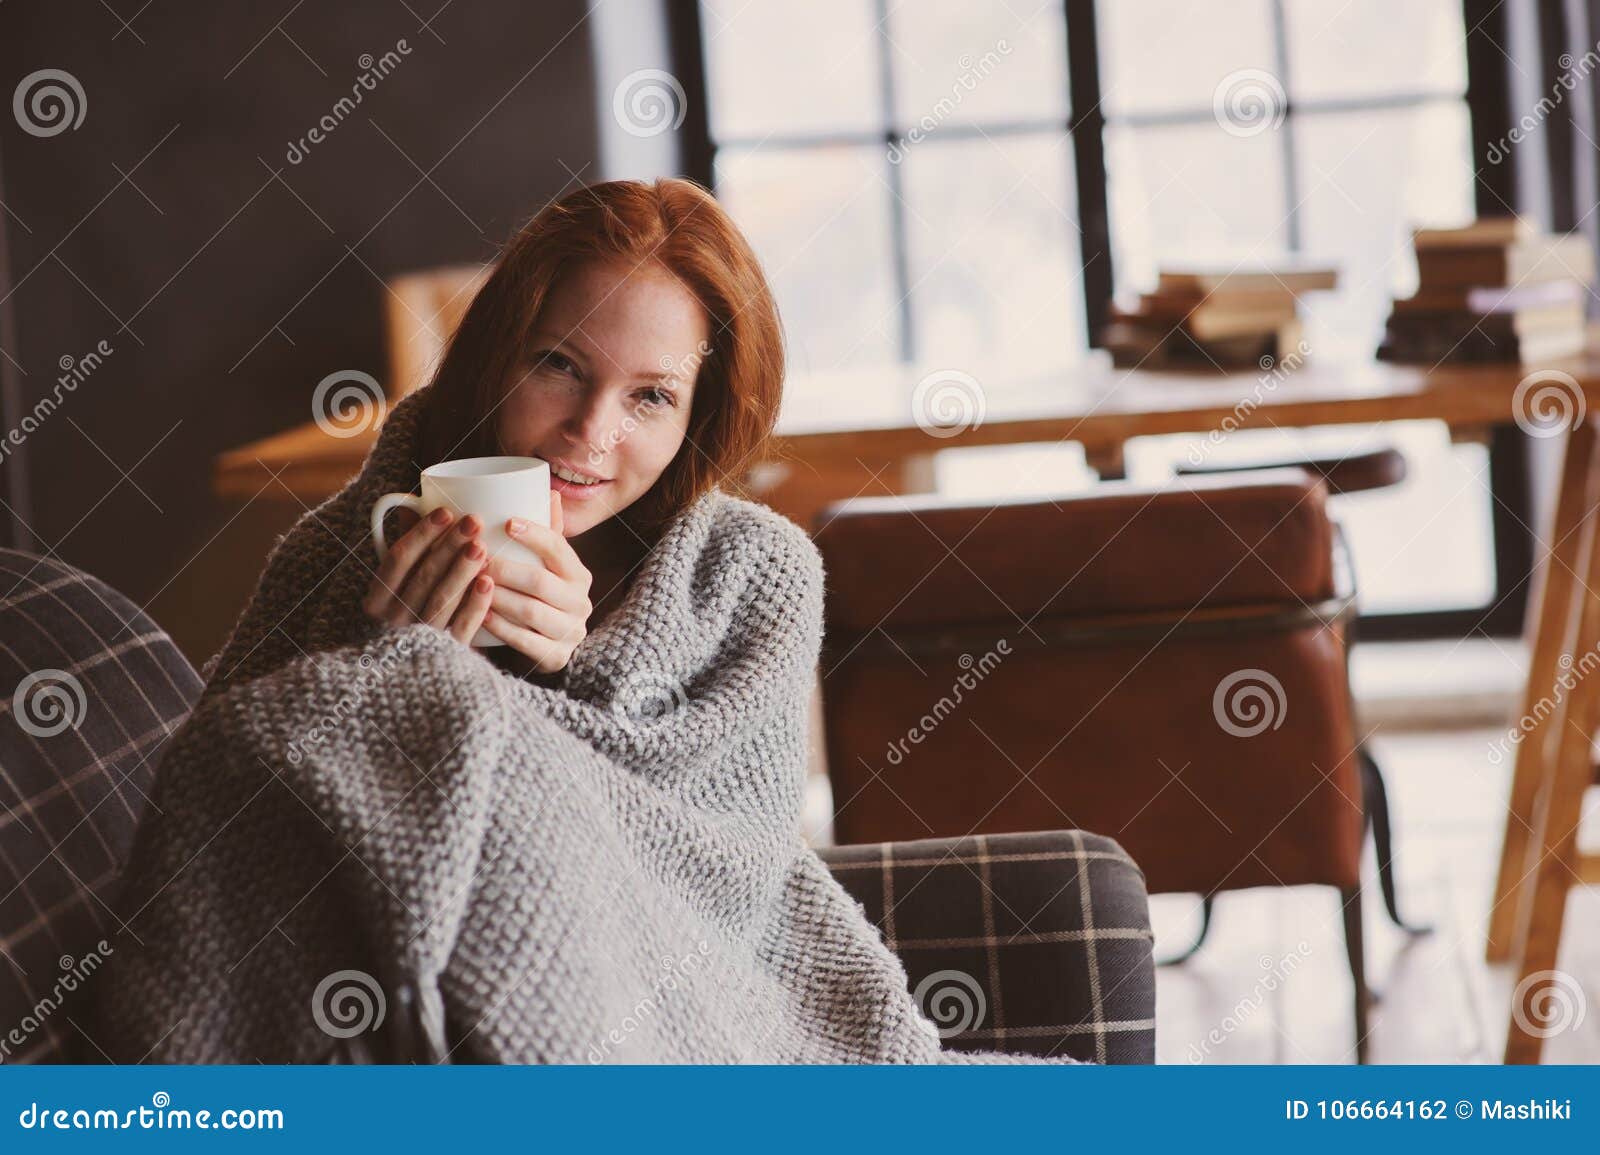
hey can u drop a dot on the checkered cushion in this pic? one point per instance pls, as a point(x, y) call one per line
point(90, 689)
point(1017, 942)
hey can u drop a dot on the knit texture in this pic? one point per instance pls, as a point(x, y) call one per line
point(609, 869)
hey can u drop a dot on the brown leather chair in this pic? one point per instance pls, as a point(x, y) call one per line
point(1162, 666)
point(1349, 473)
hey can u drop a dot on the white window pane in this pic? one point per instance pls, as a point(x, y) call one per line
point(819, 220)
point(1000, 472)
point(1375, 47)
point(1189, 192)
point(1165, 55)
point(958, 62)
point(791, 68)
point(995, 257)
point(1365, 180)
point(1436, 525)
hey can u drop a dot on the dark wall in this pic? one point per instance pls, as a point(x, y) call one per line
point(227, 280)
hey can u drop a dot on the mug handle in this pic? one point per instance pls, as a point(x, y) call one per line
point(380, 510)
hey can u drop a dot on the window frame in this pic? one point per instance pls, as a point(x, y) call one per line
point(1487, 98)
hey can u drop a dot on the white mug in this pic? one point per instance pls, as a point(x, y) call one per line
point(496, 489)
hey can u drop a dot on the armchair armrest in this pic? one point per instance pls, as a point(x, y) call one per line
point(1037, 943)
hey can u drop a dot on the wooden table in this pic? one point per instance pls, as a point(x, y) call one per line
point(848, 437)
point(851, 428)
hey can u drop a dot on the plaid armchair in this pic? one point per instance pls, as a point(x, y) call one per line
point(1022, 942)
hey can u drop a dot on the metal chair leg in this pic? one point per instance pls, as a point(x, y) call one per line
point(1355, 950)
point(1375, 802)
point(1205, 926)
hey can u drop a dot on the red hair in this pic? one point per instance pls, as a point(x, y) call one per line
point(677, 225)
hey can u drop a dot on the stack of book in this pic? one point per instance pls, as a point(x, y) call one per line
point(1496, 290)
point(1219, 315)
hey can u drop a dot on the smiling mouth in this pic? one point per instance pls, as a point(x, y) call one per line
point(573, 477)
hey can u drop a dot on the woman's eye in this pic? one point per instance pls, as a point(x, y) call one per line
point(550, 359)
point(658, 398)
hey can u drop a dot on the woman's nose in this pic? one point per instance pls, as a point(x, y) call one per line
point(593, 421)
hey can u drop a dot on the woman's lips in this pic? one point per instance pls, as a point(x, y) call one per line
point(574, 491)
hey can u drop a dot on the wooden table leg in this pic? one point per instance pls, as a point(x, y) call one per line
point(1107, 461)
point(1554, 624)
point(1558, 806)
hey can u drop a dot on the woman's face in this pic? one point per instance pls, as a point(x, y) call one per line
point(606, 385)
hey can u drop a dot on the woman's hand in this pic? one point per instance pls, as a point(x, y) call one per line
point(541, 611)
point(434, 574)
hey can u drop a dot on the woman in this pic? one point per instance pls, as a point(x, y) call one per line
point(375, 843)
point(629, 339)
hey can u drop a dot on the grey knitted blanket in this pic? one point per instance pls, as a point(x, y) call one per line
point(376, 843)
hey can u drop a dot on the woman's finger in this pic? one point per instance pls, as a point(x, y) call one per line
point(473, 609)
point(539, 616)
point(384, 590)
point(431, 568)
point(553, 549)
point(442, 602)
point(538, 582)
point(546, 655)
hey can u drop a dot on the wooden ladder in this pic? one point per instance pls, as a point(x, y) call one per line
point(1539, 860)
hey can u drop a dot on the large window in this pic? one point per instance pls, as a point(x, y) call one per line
point(1254, 127)
point(912, 175)
point(906, 173)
